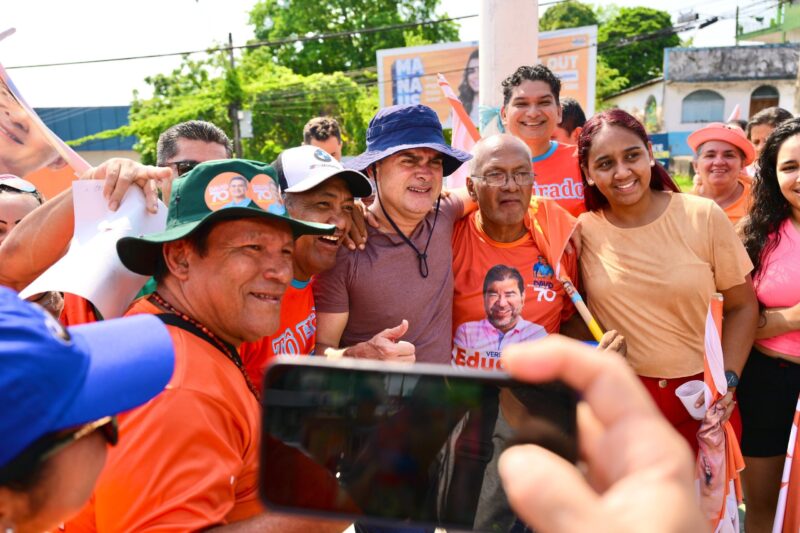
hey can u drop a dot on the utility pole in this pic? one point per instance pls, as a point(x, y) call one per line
point(233, 108)
point(509, 38)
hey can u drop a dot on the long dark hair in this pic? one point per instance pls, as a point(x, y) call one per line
point(465, 92)
point(660, 179)
point(768, 208)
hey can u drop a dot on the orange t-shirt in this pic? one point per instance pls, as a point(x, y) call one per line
point(77, 310)
point(738, 209)
point(545, 305)
point(296, 335)
point(187, 459)
point(558, 176)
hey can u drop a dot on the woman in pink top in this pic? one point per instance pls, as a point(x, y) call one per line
point(771, 379)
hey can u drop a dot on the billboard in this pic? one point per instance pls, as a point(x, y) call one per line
point(408, 75)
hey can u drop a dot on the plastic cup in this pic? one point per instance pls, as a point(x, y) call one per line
point(688, 393)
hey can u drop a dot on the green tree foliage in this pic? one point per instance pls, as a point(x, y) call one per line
point(642, 60)
point(619, 65)
point(569, 14)
point(281, 102)
point(609, 81)
point(282, 19)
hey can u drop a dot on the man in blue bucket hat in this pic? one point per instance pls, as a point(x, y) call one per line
point(401, 285)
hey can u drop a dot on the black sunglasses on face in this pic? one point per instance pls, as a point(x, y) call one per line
point(49, 445)
point(182, 167)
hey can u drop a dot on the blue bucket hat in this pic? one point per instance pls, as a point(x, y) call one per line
point(52, 378)
point(402, 127)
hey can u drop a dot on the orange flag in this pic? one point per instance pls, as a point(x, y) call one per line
point(719, 459)
point(551, 227)
point(465, 134)
point(787, 515)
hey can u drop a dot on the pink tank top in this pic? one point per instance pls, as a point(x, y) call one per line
point(777, 285)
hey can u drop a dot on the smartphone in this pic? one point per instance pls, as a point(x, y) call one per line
point(402, 445)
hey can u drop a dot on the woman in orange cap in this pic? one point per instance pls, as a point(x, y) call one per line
point(722, 153)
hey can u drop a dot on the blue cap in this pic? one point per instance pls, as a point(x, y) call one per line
point(53, 378)
point(402, 127)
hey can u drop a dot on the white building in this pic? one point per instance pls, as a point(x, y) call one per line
point(702, 85)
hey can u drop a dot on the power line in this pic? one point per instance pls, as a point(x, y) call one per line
point(260, 44)
point(293, 101)
point(283, 101)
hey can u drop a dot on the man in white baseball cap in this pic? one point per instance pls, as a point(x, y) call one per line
point(316, 188)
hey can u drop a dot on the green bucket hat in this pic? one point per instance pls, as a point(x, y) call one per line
point(226, 189)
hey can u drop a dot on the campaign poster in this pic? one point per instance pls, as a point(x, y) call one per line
point(503, 305)
point(409, 75)
point(572, 55)
point(28, 149)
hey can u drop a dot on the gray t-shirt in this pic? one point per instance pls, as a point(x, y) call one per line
point(381, 285)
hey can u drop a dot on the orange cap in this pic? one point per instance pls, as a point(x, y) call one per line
point(717, 131)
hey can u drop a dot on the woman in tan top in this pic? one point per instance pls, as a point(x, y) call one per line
point(651, 260)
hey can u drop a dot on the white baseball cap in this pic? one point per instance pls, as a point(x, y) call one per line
point(302, 168)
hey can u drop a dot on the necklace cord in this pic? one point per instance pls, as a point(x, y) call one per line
point(187, 323)
point(423, 255)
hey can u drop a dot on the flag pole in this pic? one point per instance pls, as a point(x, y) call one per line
point(583, 310)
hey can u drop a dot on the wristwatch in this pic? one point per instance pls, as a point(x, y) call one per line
point(732, 378)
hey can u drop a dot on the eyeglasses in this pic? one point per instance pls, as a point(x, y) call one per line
point(49, 445)
point(499, 179)
point(182, 167)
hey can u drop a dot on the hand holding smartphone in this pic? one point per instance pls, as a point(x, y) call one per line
point(393, 444)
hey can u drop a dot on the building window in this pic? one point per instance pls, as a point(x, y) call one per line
point(703, 106)
point(762, 98)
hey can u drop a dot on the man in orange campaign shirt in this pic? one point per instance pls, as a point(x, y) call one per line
point(504, 290)
point(188, 460)
point(316, 188)
point(531, 112)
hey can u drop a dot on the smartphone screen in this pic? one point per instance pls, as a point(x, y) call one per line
point(392, 444)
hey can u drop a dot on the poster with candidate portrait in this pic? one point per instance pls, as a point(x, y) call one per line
point(409, 75)
point(28, 149)
point(514, 304)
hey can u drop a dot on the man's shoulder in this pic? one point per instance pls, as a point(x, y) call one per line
point(474, 327)
point(527, 326)
point(142, 306)
point(464, 228)
point(451, 206)
point(562, 154)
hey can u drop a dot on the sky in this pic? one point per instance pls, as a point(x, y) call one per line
point(48, 31)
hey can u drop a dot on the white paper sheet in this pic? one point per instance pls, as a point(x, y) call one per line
point(91, 268)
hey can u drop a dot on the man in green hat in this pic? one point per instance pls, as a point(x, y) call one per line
point(189, 457)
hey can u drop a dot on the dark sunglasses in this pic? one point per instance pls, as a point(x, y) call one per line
point(52, 443)
point(182, 167)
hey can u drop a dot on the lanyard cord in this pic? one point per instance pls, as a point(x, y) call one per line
point(423, 255)
point(185, 322)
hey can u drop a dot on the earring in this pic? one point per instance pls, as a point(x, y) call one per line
point(590, 183)
point(652, 162)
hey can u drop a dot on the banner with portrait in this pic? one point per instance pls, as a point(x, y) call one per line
point(28, 149)
point(409, 75)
